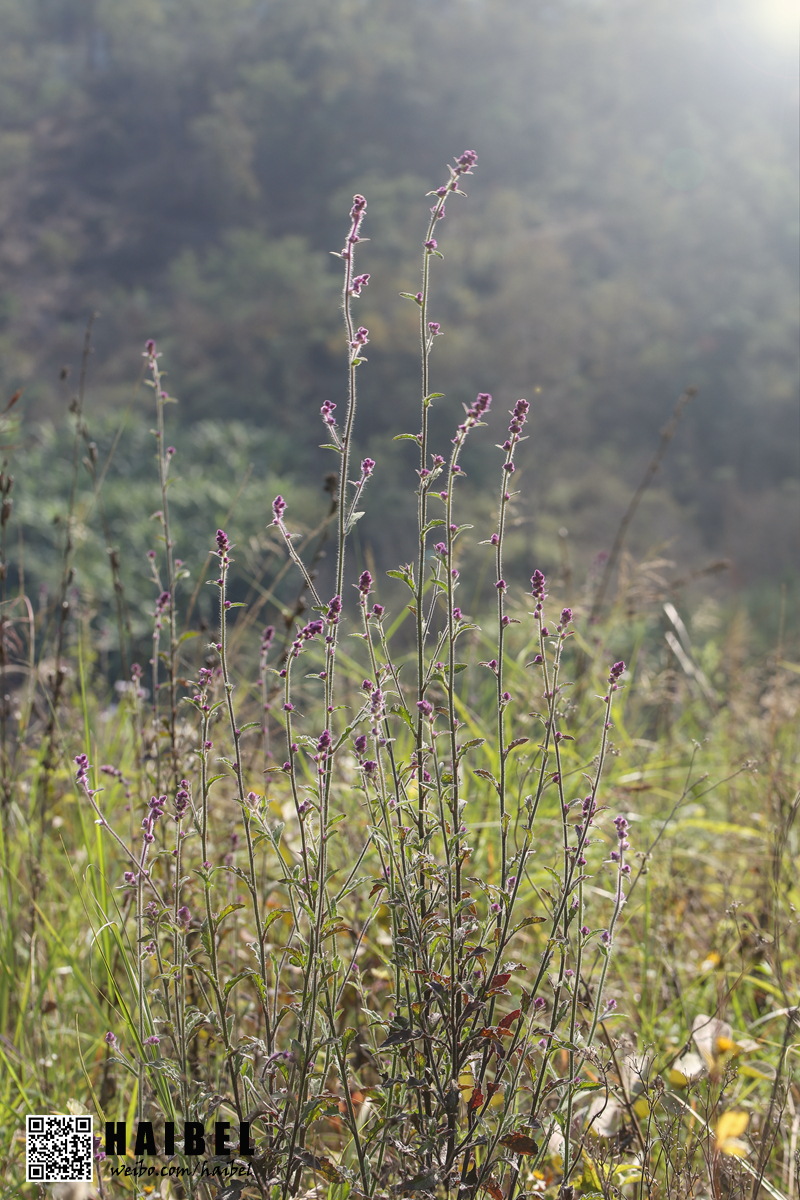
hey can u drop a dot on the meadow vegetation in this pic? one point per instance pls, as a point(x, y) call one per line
point(435, 896)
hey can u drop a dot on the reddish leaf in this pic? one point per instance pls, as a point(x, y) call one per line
point(499, 981)
point(476, 1100)
point(509, 1020)
point(519, 1143)
point(493, 1188)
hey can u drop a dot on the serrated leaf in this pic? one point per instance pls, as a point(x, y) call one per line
point(274, 916)
point(347, 1039)
point(398, 1037)
point(403, 712)
point(519, 1143)
point(321, 1166)
point(227, 910)
point(517, 742)
point(232, 982)
point(426, 1182)
point(523, 924)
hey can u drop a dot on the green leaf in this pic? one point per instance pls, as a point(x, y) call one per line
point(403, 712)
point(347, 1039)
point(352, 520)
point(190, 633)
point(527, 921)
point(406, 437)
point(226, 912)
point(231, 984)
point(407, 580)
point(274, 916)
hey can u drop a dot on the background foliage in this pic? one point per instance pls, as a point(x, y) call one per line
point(182, 167)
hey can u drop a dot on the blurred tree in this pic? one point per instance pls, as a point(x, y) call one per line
point(185, 168)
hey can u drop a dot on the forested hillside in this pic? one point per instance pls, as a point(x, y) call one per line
point(184, 167)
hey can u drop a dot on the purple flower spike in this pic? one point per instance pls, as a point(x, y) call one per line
point(431, 245)
point(365, 583)
point(222, 542)
point(367, 467)
point(425, 707)
point(278, 508)
point(360, 744)
point(538, 583)
point(466, 162)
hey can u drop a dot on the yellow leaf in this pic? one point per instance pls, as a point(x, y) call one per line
point(726, 1136)
point(642, 1108)
point(736, 1147)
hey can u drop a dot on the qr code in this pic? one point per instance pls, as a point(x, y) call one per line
point(58, 1149)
